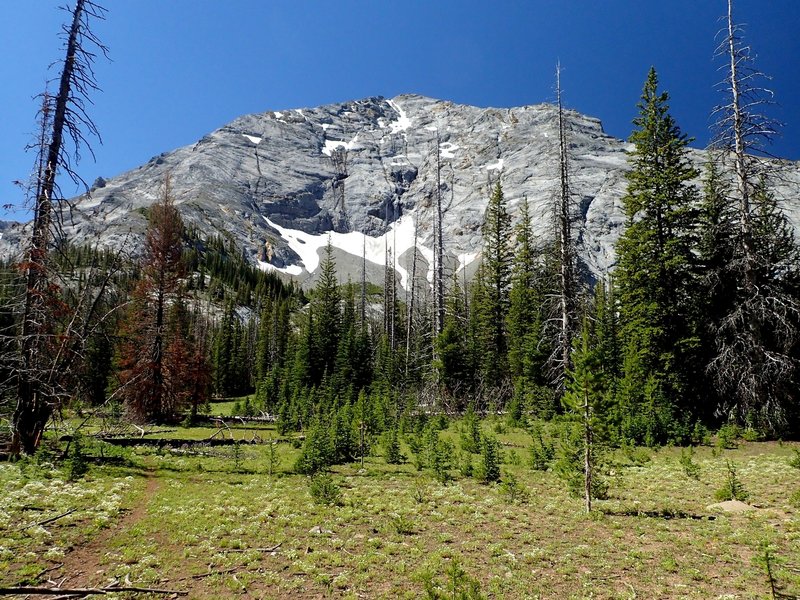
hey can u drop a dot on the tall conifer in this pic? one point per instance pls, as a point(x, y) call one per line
point(654, 274)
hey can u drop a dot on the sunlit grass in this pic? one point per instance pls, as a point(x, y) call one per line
point(235, 530)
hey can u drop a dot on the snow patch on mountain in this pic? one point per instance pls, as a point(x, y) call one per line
point(496, 166)
point(448, 150)
point(399, 239)
point(331, 145)
point(403, 122)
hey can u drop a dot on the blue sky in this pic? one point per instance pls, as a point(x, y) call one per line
point(182, 68)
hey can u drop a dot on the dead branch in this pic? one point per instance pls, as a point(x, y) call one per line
point(265, 550)
point(50, 520)
point(67, 592)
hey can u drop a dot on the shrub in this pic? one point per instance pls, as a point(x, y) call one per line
point(795, 460)
point(515, 414)
point(458, 584)
point(317, 453)
point(464, 463)
point(401, 524)
point(438, 453)
point(272, 457)
point(76, 465)
point(513, 491)
point(727, 436)
point(700, 435)
point(636, 455)
point(237, 456)
point(325, 491)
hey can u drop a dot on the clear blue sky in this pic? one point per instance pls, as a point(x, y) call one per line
point(181, 68)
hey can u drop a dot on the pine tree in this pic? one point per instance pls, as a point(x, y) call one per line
point(328, 318)
point(606, 340)
point(224, 355)
point(527, 352)
point(755, 364)
point(492, 310)
point(654, 275)
point(265, 342)
point(151, 355)
point(453, 359)
point(717, 282)
point(585, 387)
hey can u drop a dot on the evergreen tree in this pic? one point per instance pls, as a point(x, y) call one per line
point(265, 342)
point(492, 310)
point(224, 354)
point(654, 275)
point(453, 358)
point(583, 398)
point(757, 336)
point(328, 318)
point(527, 352)
point(606, 341)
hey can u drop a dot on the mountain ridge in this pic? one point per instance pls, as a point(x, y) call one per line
point(363, 174)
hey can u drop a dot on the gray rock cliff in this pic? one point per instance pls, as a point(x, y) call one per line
point(363, 175)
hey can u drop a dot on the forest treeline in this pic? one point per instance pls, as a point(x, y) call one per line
point(696, 326)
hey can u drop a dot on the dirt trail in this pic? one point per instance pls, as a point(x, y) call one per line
point(83, 566)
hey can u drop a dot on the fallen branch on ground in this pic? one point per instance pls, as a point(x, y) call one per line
point(249, 549)
point(50, 520)
point(66, 592)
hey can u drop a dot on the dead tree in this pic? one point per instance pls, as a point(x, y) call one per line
point(439, 245)
point(560, 361)
point(363, 308)
point(757, 335)
point(64, 120)
point(742, 128)
point(411, 297)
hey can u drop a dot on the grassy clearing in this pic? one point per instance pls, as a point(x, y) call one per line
point(219, 525)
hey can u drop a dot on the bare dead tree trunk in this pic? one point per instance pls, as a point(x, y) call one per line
point(587, 451)
point(364, 285)
point(393, 275)
point(439, 241)
point(62, 115)
point(565, 251)
point(412, 284)
point(755, 364)
point(743, 183)
point(567, 275)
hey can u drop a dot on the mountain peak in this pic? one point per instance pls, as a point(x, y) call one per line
point(363, 173)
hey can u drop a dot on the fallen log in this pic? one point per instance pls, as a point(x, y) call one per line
point(174, 442)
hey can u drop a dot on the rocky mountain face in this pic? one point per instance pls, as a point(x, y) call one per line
point(364, 176)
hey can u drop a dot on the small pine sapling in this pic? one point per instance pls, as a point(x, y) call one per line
point(733, 489)
point(391, 447)
point(690, 468)
point(471, 432)
point(489, 470)
point(542, 452)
